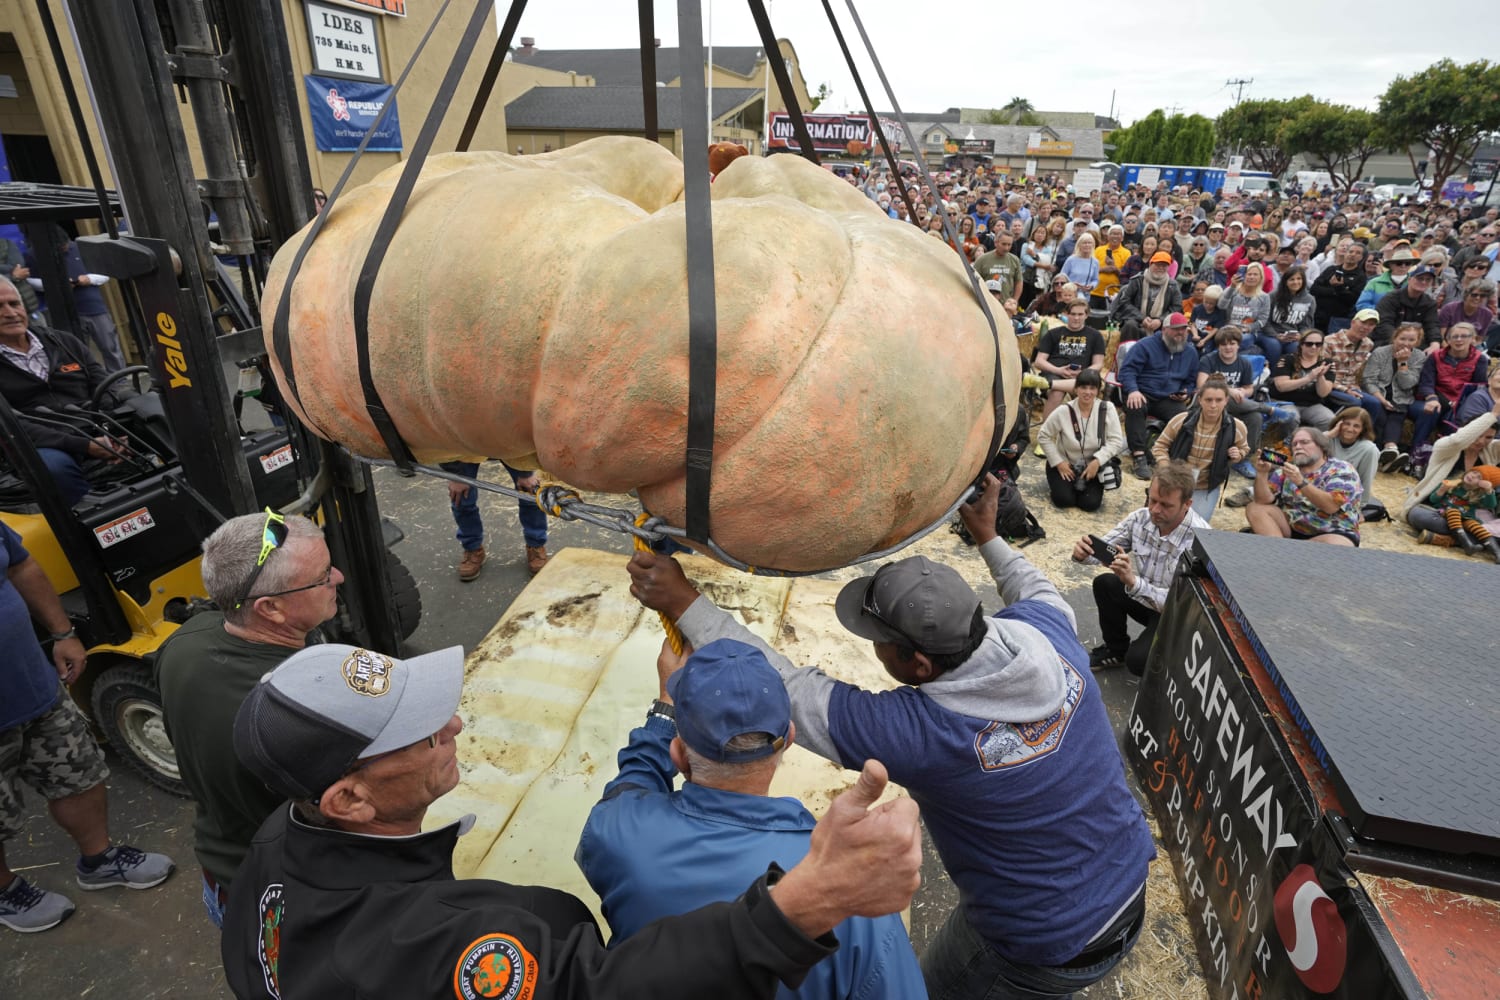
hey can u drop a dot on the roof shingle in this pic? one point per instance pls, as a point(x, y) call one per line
point(611, 109)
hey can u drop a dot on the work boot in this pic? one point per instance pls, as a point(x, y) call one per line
point(1468, 544)
point(1426, 537)
point(536, 558)
point(473, 562)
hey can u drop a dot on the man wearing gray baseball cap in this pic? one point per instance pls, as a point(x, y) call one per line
point(343, 895)
point(1000, 735)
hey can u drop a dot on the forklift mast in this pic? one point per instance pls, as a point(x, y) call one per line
point(231, 60)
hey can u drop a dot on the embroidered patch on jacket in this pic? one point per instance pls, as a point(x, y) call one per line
point(268, 948)
point(495, 967)
point(1008, 744)
point(368, 673)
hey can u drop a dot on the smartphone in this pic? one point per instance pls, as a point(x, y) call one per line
point(1103, 551)
point(1272, 456)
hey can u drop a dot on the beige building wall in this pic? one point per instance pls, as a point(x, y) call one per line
point(758, 77)
point(517, 78)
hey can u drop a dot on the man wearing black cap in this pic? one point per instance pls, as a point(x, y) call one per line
point(723, 719)
point(342, 895)
point(1002, 738)
point(1411, 303)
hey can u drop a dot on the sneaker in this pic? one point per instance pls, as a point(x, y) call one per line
point(1393, 459)
point(1104, 658)
point(1142, 467)
point(27, 908)
point(1244, 468)
point(473, 562)
point(536, 558)
point(127, 866)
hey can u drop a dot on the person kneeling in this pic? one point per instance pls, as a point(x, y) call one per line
point(1312, 498)
point(1079, 439)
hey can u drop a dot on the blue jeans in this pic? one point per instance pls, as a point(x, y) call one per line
point(1205, 502)
point(67, 473)
point(1265, 344)
point(960, 965)
point(213, 902)
point(471, 526)
point(1423, 423)
point(1377, 413)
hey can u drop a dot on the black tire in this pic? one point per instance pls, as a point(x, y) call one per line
point(127, 708)
point(408, 597)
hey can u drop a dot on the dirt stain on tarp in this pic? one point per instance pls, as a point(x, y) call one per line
point(572, 609)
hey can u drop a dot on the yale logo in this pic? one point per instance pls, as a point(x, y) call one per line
point(172, 356)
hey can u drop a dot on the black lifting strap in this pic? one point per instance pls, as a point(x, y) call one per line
point(783, 79)
point(703, 331)
point(859, 84)
point(997, 388)
point(281, 341)
point(491, 74)
point(365, 285)
point(648, 68)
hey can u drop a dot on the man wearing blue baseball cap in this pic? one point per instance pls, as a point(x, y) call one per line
point(343, 895)
point(723, 719)
point(1000, 736)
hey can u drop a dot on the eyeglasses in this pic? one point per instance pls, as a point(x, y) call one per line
point(1312, 343)
point(273, 536)
point(322, 581)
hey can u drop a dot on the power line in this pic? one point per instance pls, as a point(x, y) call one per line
point(1239, 86)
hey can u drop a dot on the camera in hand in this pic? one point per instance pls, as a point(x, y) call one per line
point(1103, 551)
point(1272, 456)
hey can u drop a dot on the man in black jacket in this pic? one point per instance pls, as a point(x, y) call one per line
point(1411, 303)
point(52, 369)
point(1337, 288)
point(342, 895)
point(1147, 300)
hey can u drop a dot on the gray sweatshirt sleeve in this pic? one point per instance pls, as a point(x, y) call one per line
point(1018, 580)
point(809, 688)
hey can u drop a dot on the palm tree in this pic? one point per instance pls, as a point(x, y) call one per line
point(1018, 108)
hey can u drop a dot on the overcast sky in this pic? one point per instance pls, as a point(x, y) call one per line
point(1340, 51)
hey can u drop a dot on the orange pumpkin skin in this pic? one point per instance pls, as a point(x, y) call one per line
point(722, 154)
point(535, 309)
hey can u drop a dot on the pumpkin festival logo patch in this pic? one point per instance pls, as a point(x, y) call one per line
point(367, 673)
point(495, 967)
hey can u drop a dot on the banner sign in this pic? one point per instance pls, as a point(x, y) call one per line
point(343, 43)
point(1085, 181)
point(1037, 145)
point(1275, 911)
point(396, 7)
point(983, 146)
point(343, 110)
point(830, 133)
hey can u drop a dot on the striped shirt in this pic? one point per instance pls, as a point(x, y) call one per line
point(1153, 554)
point(1205, 440)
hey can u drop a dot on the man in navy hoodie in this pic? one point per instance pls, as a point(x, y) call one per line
point(1158, 376)
point(1000, 736)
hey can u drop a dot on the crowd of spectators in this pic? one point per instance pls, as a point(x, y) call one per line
point(1300, 340)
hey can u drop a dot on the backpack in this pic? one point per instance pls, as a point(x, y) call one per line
point(1013, 521)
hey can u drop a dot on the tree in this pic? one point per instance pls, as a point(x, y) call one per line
point(1254, 129)
point(1337, 138)
point(1448, 107)
point(1000, 116)
point(1186, 140)
point(1017, 109)
point(824, 92)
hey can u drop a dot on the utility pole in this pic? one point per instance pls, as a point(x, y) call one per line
point(1240, 86)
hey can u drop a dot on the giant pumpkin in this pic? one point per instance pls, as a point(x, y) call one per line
point(534, 308)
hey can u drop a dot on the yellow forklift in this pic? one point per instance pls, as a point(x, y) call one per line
point(126, 558)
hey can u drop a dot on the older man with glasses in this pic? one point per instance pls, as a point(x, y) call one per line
point(275, 583)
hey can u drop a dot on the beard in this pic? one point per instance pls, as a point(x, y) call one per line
point(1174, 346)
point(1307, 461)
point(1152, 279)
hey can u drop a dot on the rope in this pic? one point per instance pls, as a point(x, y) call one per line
point(674, 634)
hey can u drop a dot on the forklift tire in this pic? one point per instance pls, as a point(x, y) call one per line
point(408, 597)
point(127, 708)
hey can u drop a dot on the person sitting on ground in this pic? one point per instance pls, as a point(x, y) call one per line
point(1314, 497)
point(1078, 439)
point(1024, 827)
point(1482, 400)
point(722, 719)
point(1412, 302)
point(1445, 374)
point(1473, 444)
point(1205, 440)
point(1151, 539)
point(1065, 351)
point(1147, 300)
point(1290, 313)
point(1388, 390)
point(1353, 440)
point(1348, 350)
point(1459, 501)
point(343, 894)
point(1207, 319)
point(1301, 378)
point(1158, 375)
point(53, 370)
point(1246, 306)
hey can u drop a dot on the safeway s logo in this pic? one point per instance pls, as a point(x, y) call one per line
point(1311, 930)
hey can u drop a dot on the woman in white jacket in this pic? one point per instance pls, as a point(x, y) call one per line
point(1078, 439)
point(1472, 444)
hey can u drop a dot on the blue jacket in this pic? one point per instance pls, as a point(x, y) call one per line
point(650, 852)
point(1152, 369)
point(1011, 757)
